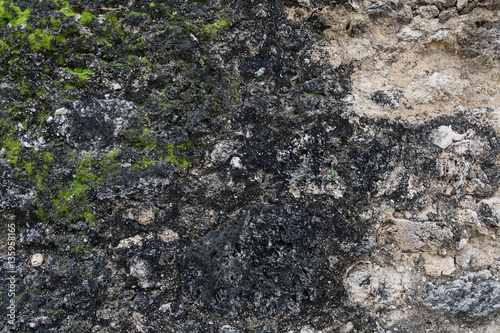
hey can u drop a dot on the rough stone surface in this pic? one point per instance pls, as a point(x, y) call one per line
point(475, 295)
point(259, 166)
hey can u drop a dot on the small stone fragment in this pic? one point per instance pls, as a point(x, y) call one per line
point(61, 112)
point(37, 259)
point(445, 15)
point(469, 8)
point(169, 235)
point(428, 12)
point(461, 4)
point(489, 211)
point(141, 216)
point(445, 136)
point(408, 34)
point(228, 329)
point(236, 162)
point(129, 242)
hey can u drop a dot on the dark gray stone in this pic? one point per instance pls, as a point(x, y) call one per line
point(475, 295)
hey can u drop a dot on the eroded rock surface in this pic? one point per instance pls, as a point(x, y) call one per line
point(250, 166)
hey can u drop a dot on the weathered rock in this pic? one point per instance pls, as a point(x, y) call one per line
point(428, 12)
point(445, 15)
point(436, 265)
point(132, 241)
point(489, 211)
point(409, 235)
point(461, 4)
point(238, 166)
point(473, 295)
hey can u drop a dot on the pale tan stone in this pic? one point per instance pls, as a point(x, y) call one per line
point(461, 4)
point(412, 236)
point(128, 242)
point(364, 281)
point(169, 235)
point(436, 265)
point(142, 216)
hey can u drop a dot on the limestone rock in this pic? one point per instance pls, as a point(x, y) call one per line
point(428, 12)
point(142, 216)
point(412, 236)
point(436, 265)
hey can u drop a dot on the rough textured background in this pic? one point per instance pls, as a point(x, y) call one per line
point(251, 166)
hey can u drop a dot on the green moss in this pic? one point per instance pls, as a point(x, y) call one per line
point(40, 40)
point(55, 23)
point(39, 178)
point(113, 19)
point(21, 16)
point(145, 139)
point(66, 9)
point(82, 73)
point(5, 15)
point(87, 17)
point(202, 61)
point(28, 167)
point(236, 95)
point(142, 14)
point(81, 248)
point(222, 23)
point(178, 160)
point(139, 42)
point(3, 45)
point(104, 41)
point(151, 4)
point(13, 150)
point(61, 60)
point(71, 201)
point(47, 156)
point(211, 30)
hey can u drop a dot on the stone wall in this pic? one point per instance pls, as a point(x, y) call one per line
point(249, 166)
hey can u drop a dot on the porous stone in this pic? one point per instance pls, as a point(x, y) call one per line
point(436, 265)
point(250, 166)
point(489, 210)
point(445, 15)
point(461, 4)
point(412, 236)
point(473, 295)
point(428, 12)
